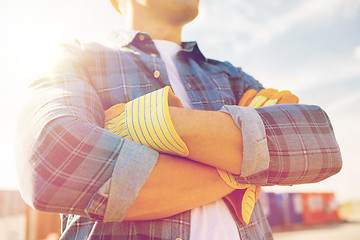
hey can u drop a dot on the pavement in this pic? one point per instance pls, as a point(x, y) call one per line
point(13, 227)
point(335, 231)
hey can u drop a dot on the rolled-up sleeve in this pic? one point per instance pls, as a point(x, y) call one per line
point(300, 143)
point(65, 157)
point(256, 159)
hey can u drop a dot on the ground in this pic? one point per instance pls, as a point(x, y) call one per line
point(342, 231)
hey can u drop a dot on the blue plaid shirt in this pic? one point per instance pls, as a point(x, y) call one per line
point(67, 158)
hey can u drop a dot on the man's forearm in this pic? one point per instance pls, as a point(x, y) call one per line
point(312, 156)
point(175, 185)
point(211, 137)
point(178, 184)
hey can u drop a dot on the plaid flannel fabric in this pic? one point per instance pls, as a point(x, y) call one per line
point(67, 157)
point(301, 144)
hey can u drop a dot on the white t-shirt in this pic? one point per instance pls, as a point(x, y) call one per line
point(214, 220)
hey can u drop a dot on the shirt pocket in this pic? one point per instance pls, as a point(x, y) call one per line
point(126, 87)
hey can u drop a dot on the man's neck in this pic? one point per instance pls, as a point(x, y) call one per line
point(157, 29)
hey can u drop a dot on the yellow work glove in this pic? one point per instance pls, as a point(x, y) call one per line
point(147, 120)
point(244, 199)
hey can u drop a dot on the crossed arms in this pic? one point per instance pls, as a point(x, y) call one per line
point(178, 184)
point(68, 163)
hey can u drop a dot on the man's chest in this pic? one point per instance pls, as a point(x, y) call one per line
point(126, 78)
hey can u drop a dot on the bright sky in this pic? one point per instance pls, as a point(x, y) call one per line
point(311, 47)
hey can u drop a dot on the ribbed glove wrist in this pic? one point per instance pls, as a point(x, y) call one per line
point(147, 120)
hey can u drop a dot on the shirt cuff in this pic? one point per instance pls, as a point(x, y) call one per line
point(256, 157)
point(132, 169)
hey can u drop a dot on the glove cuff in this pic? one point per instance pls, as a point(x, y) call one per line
point(148, 122)
point(230, 180)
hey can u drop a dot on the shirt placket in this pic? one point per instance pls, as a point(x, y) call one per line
point(154, 63)
point(185, 73)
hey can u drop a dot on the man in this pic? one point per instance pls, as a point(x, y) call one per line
point(108, 187)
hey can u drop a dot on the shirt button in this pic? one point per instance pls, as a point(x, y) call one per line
point(156, 74)
point(153, 55)
point(141, 37)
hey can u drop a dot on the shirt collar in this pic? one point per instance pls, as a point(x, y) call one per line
point(123, 38)
point(192, 47)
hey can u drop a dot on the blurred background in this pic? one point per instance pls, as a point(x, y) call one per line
point(311, 47)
